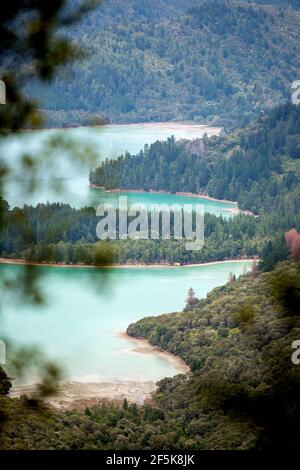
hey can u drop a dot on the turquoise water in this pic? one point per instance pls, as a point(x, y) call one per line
point(97, 196)
point(58, 165)
point(79, 325)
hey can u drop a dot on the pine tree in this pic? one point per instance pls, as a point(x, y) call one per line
point(191, 299)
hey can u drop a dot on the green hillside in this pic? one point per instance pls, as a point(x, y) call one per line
point(212, 61)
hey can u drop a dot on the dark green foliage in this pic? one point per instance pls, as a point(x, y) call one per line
point(273, 252)
point(285, 288)
point(158, 63)
point(254, 166)
point(31, 49)
point(60, 234)
point(163, 165)
point(243, 392)
point(259, 172)
point(248, 377)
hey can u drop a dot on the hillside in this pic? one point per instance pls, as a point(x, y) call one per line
point(238, 341)
point(210, 61)
point(227, 62)
point(259, 166)
point(115, 11)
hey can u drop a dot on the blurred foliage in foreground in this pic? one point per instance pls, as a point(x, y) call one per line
point(33, 44)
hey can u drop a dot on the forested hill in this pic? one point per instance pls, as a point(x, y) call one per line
point(116, 11)
point(258, 166)
point(238, 342)
point(214, 61)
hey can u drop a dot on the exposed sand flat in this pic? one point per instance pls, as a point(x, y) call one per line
point(78, 395)
point(142, 346)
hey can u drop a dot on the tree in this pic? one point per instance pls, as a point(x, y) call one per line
point(292, 238)
point(254, 268)
point(191, 299)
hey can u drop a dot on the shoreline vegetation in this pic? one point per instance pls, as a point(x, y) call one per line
point(234, 210)
point(120, 266)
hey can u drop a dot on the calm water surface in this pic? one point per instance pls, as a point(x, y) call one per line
point(79, 326)
point(106, 142)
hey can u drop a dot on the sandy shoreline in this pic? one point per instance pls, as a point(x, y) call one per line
point(211, 263)
point(142, 346)
point(23, 262)
point(78, 395)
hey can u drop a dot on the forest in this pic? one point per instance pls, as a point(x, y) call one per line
point(58, 233)
point(160, 64)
